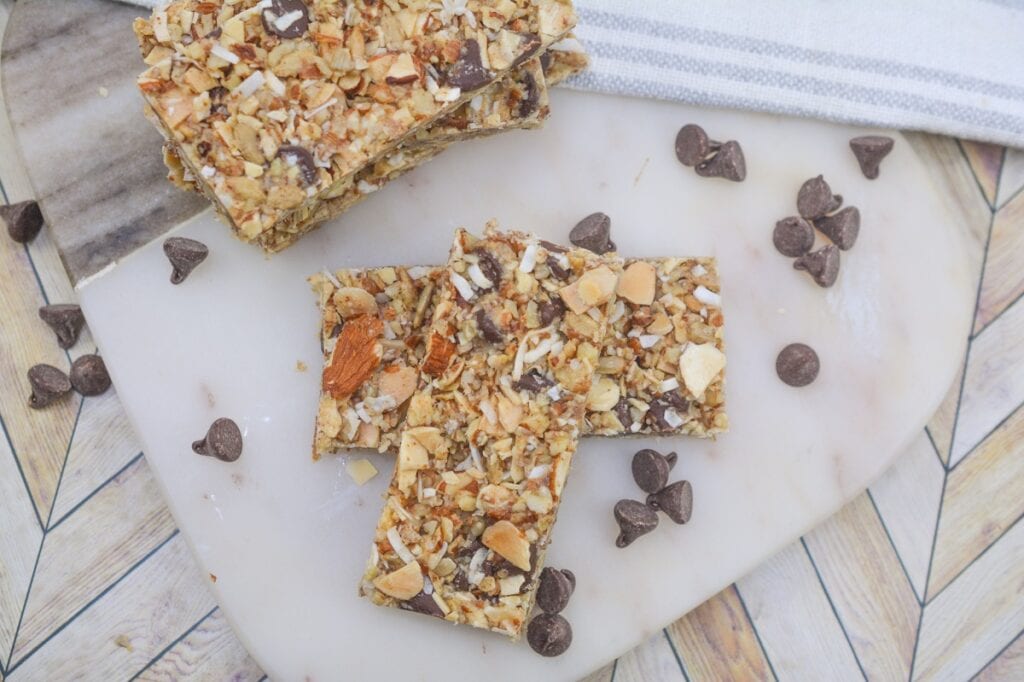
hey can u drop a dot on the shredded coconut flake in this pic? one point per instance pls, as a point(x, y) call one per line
point(274, 83)
point(699, 270)
point(669, 385)
point(707, 297)
point(418, 271)
point(478, 461)
point(568, 45)
point(478, 277)
point(475, 575)
point(540, 471)
point(227, 55)
point(488, 411)
point(672, 418)
point(313, 112)
point(648, 340)
point(365, 187)
point(285, 21)
point(464, 288)
point(554, 393)
point(529, 260)
point(251, 84)
point(542, 349)
point(208, 171)
point(400, 549)
point(618, 312)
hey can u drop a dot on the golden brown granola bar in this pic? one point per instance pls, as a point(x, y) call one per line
point(490, 429)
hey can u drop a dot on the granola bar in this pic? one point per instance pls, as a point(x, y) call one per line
point(641, 389)
point(274, 105)
point(490, 431)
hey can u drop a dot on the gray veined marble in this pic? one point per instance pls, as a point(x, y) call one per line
point(94, 160)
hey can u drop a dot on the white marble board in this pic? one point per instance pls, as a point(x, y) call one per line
point(287, 538)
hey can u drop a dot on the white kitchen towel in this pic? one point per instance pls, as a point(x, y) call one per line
point(945, 66)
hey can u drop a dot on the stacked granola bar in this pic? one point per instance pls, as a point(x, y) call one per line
point(285, 113)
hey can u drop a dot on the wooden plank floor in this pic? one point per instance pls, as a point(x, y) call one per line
point(922, 577)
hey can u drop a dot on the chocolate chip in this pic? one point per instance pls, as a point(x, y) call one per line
point(533, 381)
point(89, 375)
point(554, 590)
point(550, 310)
point(593, 233)
point(422, 603)
point(531, 96)
point(294, 155)
point(223, 441)
point(66, 321)
point(635, 519)
point(549, 634)
point(797, 365)
point(676, 400)
point(793, 236)
point(48, 384)
point(283, 10)
point(488, 329)
point(815, 199)
point(650, 469)
point(528, 48)
point(675, 500)
point(552, 247)
point(460, 582)
point(490, 266)
point(23, 220)
point(656, 413)
point(545, 62)
point(622, 413)
point(217, 94)
point(822, 265)
point(557, 270)
point(185, 255)
point(571, 577)
point(692, 145)
point(468, 73)
point(727, 163)
point(842, 227)
point(870, 150)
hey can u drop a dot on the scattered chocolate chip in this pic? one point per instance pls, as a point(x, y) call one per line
point(468, 73)
point(422, 603)
point(490, 266)
point(488, 329)
point(23, 220)
point(531, 43)
point(295, 155)
point(622, 413)
point(533, 381)
point(571, 577)
point(675, 500)
point(549, 634)
point(793, 236)
point(797, 365)
point(650, 469)
point(48, 384)
point(727, 163)
point(66, 321)
point(185, 256)
point(281, 18)
point(593, 233)
point(554, 590)
point(870, 150)
point(551, 310)
point(89, 375)
point(822, 265)
point(635, 519)
point(223, 441)
point(842, 227)
point(815, 199)
point(692, 145)
point(531, 96)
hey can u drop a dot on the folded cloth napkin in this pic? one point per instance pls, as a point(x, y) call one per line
point(954, 66)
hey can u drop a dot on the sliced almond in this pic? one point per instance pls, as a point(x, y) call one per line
point(403, 71)
point(661, 325)
point(368, 435)
point(637, 283)
point(412, 455)
point(603, 395)
point(593, 288)
point(356, 355)
point(399, 382)
point(403, 584)
point(508, 541)
point(699, 365)
point(509, 414)
point(439, 352)
point(496, 498)
point(353, 301)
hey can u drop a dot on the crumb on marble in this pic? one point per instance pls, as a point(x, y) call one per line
point(103, 91)
point(124, 642)
point(300, 366)
point(213, 578)
point(361, 470)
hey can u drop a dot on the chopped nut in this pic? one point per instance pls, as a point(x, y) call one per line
point(356, 354)
point(399, 382)
point(699, 365)
point(353, 301)
point(403, 584)
point(637, 283)
point(603, 396)
point(439, 352)
point(593, 288)
point(508, 541)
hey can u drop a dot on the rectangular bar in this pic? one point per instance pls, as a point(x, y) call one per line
point(491, 428)
point(641, 390)
point(273, 113)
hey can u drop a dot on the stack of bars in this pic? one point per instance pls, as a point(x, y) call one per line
point(481, 376)
point(285, 113)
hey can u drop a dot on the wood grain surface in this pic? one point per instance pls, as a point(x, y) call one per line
point(920, 578)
